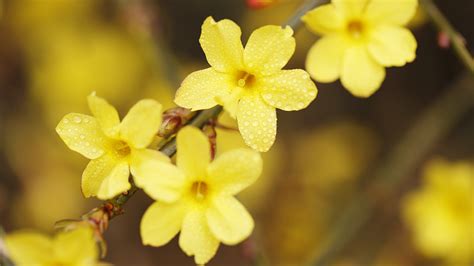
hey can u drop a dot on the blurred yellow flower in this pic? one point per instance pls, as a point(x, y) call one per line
point(360, 38)
point(80, 60)
point(115, 148)
point(319, 155)
point(75, 247)
point(250, 82)
point(441, 213)
point(197, 196)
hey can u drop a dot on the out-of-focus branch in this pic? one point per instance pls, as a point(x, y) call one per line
point(431, 126)
point(295, 21)
point(455, 37)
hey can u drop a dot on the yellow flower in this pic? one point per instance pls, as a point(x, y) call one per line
point(250, 82)
point(115, 148)
point(196, 197)
point(75, 247)
point(360, 38)
point(441, 214)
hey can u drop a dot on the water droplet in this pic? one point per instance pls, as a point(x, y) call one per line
point(77, 119)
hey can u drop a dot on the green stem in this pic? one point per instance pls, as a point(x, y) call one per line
point(444, 26)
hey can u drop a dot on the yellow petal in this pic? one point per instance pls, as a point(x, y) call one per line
point(268, 49)
point(288, 90)
point(82, 134)
point(324, 20)
point(141, 123)
point(200, 89)
point(29, 248)
point(196, 238)
point(194, 152)
point(161, 222)
point(76, 247)
point(257, 123)
point(398, 12)
point(361, 75)
point(222, 45)
point(231, 101)
point(228, 220)
point(105, 177)
point(392, 45)
point(160, 179)
point(105, 114)
point(324, 61)
point(235, 170)
point(350, 8)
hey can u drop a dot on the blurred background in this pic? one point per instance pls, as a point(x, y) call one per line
point(339, 186)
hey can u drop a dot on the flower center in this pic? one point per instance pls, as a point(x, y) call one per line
point(199, 190)
point(245, 79)
point(122, 149)
point(356, 28)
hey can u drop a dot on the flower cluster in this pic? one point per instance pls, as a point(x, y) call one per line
point(195, 196)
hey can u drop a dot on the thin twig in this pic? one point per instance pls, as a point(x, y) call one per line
point(455, 37)
point(431, 127)
point(295, 21)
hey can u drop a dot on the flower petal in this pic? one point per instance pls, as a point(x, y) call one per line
point(222, 45)
point(196, 238)
point(160, 179)
point(324, 20)
point(82, 134)
point(161, 222)
point(105, 177)
point(200, 89)
point(398, 12)
point(268, 49)
point(350, 8)
point(257, 122)
point(361, 75)
point(228, 220)
point(392, 45)
point(324, 61)
point(194, 152)
point(105, 114)
point(141, 123)
point(235, 170)
point(76, 247)
point(289, 90)
point(29, 248)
